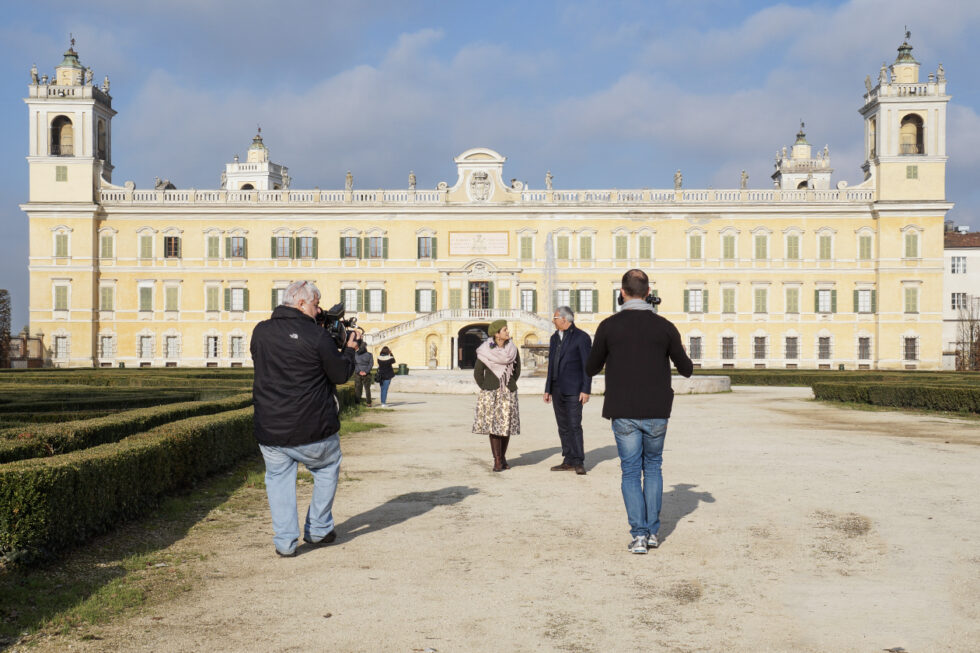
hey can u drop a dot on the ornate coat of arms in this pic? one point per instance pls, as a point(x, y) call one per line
point(480, 186)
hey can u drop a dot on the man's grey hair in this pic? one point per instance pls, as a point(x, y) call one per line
point(298, 290)
point(566, 312)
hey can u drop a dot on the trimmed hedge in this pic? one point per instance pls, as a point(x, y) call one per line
point(39, 440)
point(51, 504)
point(810, 377)
point(928, 397)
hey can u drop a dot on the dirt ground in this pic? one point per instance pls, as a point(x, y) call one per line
point(788, 525)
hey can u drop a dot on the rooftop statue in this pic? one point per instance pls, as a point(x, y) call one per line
point(33, 73)
point(678, 180)
point(349, 181)
point(548, 179)
point(744, 181)
point(411, 180)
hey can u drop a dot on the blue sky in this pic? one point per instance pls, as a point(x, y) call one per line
point(604, 93)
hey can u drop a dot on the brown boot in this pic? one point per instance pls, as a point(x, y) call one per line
point(496, 446)
point(503, 451)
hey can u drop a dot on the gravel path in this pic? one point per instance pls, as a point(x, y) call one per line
point(788, 525)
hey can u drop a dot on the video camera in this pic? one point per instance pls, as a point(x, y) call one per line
point(651, 299)
point(333, 321)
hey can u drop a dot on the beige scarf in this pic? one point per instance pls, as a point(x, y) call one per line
point(500, 360)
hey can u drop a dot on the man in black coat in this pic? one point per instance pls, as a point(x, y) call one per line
point(297, 369)
point(568, 387)
point(636, 346)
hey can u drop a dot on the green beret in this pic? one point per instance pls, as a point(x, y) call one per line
point(496, 326)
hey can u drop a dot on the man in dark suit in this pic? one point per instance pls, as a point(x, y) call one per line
point(568, 387)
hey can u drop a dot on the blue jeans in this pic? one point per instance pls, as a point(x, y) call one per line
point(322, 458)
point(641, 446)
point(384, 390)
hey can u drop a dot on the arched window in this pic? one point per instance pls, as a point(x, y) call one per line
point(803, 185)
point(100, 141)
point(62, 137)
point(248, 187)
point(911, 135)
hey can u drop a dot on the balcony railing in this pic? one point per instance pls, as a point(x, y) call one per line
point(639, 198)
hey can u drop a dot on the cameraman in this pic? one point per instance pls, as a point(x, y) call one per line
point(636, 346)
point(297, 368)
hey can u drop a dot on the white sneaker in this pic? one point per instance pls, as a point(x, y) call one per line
point(652, 542)
point(638, 545)
point(384, 405)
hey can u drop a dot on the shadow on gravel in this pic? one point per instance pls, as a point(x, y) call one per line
point(533, 457)
point(600, 455)
point(400, 509)
point(678, 504)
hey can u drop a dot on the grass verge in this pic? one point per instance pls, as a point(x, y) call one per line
point(141, 564)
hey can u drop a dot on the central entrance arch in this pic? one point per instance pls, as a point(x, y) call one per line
point(471, 336)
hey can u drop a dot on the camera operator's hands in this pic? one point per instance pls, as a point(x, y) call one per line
point(352, 339)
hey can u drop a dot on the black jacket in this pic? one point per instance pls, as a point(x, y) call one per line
point(566, 363)
point(636, 348)
point(386, 368)
point(487, 380)
point(297, 369)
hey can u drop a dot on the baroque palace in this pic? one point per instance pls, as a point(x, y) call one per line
point(800, 274)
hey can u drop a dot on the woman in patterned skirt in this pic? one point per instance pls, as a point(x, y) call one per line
point(497, 368)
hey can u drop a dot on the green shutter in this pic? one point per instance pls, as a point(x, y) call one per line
point(418, 300)
point(573, 300)
point(294, 247)
point(227, 299)
point(418, 248)
point(687, 301)
point(435, 304)
point(434, 250)
point(595, 300)
point(704, 300)
point(360, 299)
point(833, 301)
point(384, 301)
point(816, 301)
point(360, 248)
point(874, 301)
point(341, 247)
point(525, 248)
point(244, 247)
point(490, 296)
point(245, 300)
point(856, 303)
point(273, 250)
point(384, 247)
point(316, 247)
point(534, 301)
point(585, 248)
point(273, 300)
point(645, 248)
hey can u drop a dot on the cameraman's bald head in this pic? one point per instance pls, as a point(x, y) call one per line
point(636, 284)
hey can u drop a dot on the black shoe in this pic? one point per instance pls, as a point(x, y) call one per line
point(327, 539)
point(286, 555)
point(564, 467)
point(580, 470)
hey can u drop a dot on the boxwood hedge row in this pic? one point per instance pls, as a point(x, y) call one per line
point(53, 503)
point(38, 440)
point(49, 504)
point(928, 397)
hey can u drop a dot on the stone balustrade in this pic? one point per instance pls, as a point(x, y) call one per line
point(117, 196)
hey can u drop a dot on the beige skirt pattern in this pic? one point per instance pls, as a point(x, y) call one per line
point(497, 413)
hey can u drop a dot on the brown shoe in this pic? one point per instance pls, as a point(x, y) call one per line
point(580, 470)
point(564, 467)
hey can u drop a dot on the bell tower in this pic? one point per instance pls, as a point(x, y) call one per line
point(70, 126)
point(905, 130)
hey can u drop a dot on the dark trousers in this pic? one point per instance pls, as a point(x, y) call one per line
point(362, 382)
point(568, 414)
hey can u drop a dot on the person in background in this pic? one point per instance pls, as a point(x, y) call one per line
point(386, 372)
point(496, 372)
point(363, 362)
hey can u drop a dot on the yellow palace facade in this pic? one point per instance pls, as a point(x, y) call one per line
point(798, 274)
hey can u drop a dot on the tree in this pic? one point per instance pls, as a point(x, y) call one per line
point(968, 335)
point(4, 328)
